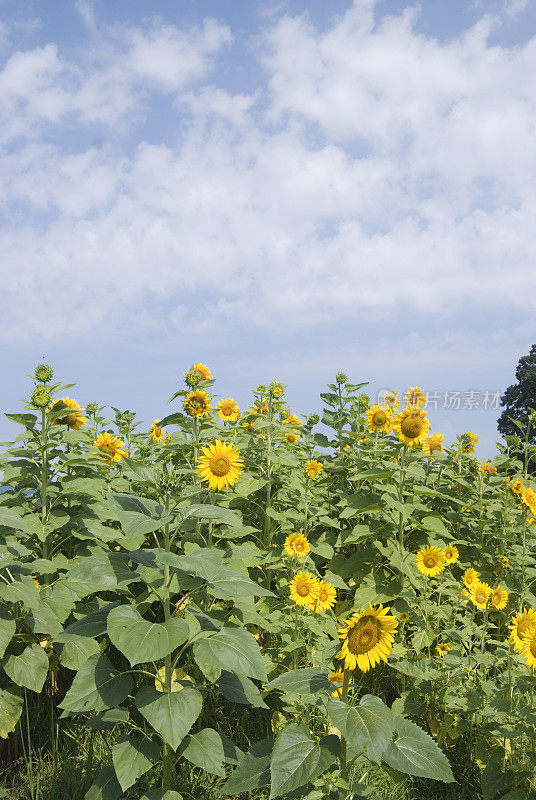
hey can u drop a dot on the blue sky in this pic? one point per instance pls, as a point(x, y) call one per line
point(276, 189)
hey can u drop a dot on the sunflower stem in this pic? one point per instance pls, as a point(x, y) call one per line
point(401, 480)
point(167, 763)
point(344, 696)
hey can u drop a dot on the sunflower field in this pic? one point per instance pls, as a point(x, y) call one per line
point(251, 603)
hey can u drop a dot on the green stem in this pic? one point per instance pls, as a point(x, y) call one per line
point(167, 763)
point(344, 697)
point(44, 480)
point(401, 480)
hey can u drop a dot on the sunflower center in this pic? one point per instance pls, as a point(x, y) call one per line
point(323, 595)
point(532, 648)
point(523, 628)
point(107, 448)
point(219, 465)
point(481, 597)
point(430, 561)
point(364, 636)
point(380, 418)
point(303, 589)
point(411, 426)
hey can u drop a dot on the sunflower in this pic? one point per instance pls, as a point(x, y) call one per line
point(379, 419)
point(277, 389)
point(504, 561)
point(327, 595)
point(110, 448)
point(293, 419)
point(220, 465)
point(516, 486)
point(442, 648)
point(367, 638)
point(304, 589)
point(529, 650)
point(470, 577)
point(389, 400)
point(74, 420)
point(523, 626)
point(499, 598)
point(156, 433)
point(228, 410)
point(292, 437)
point(451, 554)
point(297, 545)
point(404, 616)
point(433, 443)
point(528, 496)
point(488, 469)
point(411, 426)
point(199, 372)
point(337, 679)
point(469, 442)
point(430, 561)
point(415, 397)
point(464, 594)
point(197, 403)
point(313, 468)
point(479, 594)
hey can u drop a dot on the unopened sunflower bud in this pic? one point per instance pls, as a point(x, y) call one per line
point(277, 389)
point(363, 402)
point(41, 397)
point(312, 420)
point(341, 377)
point(92, 408)
point(43, 373)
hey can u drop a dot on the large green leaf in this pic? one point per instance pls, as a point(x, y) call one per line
point(96, 687)
point(214, 513)
point(205, 750)
point(77, 651)
point(138, 515)
point(29, 669)
point(132, 757)
point(228, 583)
point(298, 758)
point(7, 629)
point(10, 710)
point(239, 689)
point(10, 518)
point(105, 787)
point(140, 640)
point(253, 771)
point(171, 714)
point(367, 727)
point(161, 794)
point(416, 753)
point(203, 563)
point(308, 680)
point(92, 625)
point(102, 571)
point(232, 649)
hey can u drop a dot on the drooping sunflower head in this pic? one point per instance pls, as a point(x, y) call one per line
point(297, 545)
point(110, 448)
point(220, 465)
point(156, 433)
point(529, 650)
point(379, 419)
point(291, 437)
point(468, 442)
point(479, 594)
point(197, 403)
point(197, 373)
point(415, 397)
point(487, 468)
point(228, 410)
point(442, 648)
point(433, 444)
point(523, 626)
point(336, 679)
point(75, 418)
point(470, 577)
point(430, 561)
point(367, 638)
point(451, 554)
point(516, 486)
point(313, 468)
point(411, 426)
point(293, 419)
point(276, 389)
point(499, 598)
point(327, 595)
point(389, 400)
point(304, 589)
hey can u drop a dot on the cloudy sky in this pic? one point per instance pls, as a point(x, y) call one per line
point(276, 189)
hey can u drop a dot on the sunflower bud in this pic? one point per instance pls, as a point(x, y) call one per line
point(363, 402)
point(341, 377)
point(192, 378)
point(43, 373)
point(92, 408)
point(312, 420)
point(277, 389)
point(41, 397)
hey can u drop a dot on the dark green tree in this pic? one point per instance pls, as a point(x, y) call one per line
point(520, 397)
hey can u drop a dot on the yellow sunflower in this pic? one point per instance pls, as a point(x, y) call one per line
point(156, 433)
point(479, 594)
point(433, 443)
point(220, 465)
point(75, 419)
point(304, 589)
point(487, 469)
point(499, 598)
point(523, 626)
point(516, 486)
point(469, 442)
point(337, 679)
point(327, 595)
point(379, 419)
point(415, 397)
point(228, 410)
point(411, 426)
point(504, 561)
point(529, 650)
point(464, 594)
point(110, 448)
point(367, 638)
point(404, 616)
point(297, 545)
point(202, 370)
point(389, 400)
point(292, 437)
point(430, 561)
point(197, 403)
point(451, 554)
point(293, 419)
point(442, 648)
point(528, 496)
point(313, 468)
point(470, 577)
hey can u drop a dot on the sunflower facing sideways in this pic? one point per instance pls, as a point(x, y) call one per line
point(430, 561)
point(228, 410)
point(389, 400)
point(220, 465)
point(327, 594)
point(433, 444)
point(155, 432)
point(523, 627)
point(197, 403)
point(75, 413)
point(415, 397)
point(367, 638)
point(529, 650)
point(379, 419)
point(499, 598)
point(110, 448)
point(470, 577)
point(411, 426)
